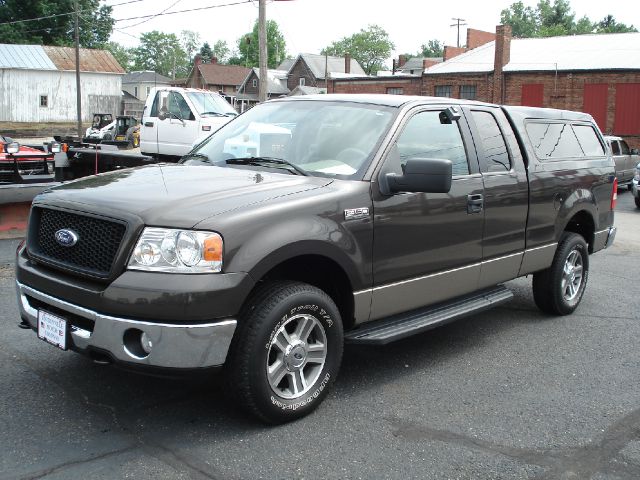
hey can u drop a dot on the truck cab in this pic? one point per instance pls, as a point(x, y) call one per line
point(174, 118)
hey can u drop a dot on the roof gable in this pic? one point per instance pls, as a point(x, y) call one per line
point(317, 63)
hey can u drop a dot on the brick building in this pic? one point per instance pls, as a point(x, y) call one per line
point(598, 74)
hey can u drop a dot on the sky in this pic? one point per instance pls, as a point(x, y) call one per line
point(310, 25)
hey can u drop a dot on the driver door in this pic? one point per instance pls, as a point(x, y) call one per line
point(428, 246)
point(179, 129)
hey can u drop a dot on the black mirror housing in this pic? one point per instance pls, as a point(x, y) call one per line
point(426, 175)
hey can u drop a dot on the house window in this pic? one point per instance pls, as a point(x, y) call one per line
point(443, 91)
point(44, 100)
point(468, 92)
point(135, 92)
point(395, 91)
point(255, 83)
point(301, 82)
point(148, 91)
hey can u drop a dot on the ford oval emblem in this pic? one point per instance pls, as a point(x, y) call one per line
point(66, 237)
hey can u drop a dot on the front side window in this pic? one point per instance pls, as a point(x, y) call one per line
point(443, 91)
point(553, 140)
point(495, 150)
point(615, 148)
point(336, 139)
point(425, 136)
point(178, 107)
point(624, 148)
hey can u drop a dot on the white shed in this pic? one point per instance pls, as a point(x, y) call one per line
point(38, 83)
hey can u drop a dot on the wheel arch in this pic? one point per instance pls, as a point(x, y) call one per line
point(582, 222)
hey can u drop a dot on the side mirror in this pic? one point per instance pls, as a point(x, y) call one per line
point(163, 114)
point(635, 151)
point(55, 147)
point(11, 148)
point(427, 175)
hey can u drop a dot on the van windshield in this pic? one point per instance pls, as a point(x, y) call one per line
point(322, 138)
point(210, 104)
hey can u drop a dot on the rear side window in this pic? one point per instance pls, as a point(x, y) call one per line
point(495, 150)
point(553, 140)
point(615, 148)
point(589, 140)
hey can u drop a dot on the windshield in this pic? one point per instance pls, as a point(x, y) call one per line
point(210, 104)
point(318, 137)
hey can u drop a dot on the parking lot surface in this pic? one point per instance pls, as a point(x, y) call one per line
point(508, 394)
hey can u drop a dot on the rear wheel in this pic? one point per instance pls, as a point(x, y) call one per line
point(286, 352)
point(559, 289)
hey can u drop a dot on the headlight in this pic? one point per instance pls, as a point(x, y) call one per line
point(178, 251)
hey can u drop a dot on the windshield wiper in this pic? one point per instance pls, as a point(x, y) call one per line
point(197, 156)
point(217, 114)
point(268, 162)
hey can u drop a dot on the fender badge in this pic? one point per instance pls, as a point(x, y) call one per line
point(356, 213)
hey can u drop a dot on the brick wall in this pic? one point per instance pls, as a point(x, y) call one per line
point(409, 85)
point(450, 52)
point(482, 81)
point(476, 38)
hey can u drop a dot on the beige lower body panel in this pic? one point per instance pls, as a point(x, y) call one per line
point(536, 259)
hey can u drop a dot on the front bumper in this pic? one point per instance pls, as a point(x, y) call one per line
point(178, 346)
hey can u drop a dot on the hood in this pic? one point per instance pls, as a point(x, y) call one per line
point(178, 196)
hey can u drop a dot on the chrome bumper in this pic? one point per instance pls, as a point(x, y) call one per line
point(173, 346)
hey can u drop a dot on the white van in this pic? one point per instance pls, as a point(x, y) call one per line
point(174, 118)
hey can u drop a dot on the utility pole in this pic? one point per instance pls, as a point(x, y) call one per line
point(262, 55)
point(458, 24)
point(78, 93)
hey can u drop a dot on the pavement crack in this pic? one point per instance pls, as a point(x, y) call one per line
point(180, 462)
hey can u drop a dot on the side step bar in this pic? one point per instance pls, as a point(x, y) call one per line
point(404, 325)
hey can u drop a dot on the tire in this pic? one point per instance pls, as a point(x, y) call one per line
point(556, 290)
point(637, 200)
point(271, 371)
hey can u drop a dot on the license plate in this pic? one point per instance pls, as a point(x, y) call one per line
point(52, 329)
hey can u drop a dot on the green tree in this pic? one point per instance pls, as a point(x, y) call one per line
point(162, 53)
point(609, 25)
point(370, 46)
point(221, 51)
point(95, 25)
point(433, 48)
point(248, 50)
point(121, 53)
point(206, 53)
point(189, 40)
point(552, 19)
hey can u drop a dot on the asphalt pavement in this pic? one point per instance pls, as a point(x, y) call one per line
point(507, 394)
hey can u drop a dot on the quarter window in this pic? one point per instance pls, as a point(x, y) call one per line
point(615, 148)
point(624, 148)
point(443, 91)
point(425, 136)
point(495, 150)
point(553, 140)
point(589, 141)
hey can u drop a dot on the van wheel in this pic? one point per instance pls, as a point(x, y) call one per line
point(285, 353)
point(559, 289)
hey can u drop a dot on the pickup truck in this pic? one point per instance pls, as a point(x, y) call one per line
point(176, 118)
point(364, 219)
point(625, 159)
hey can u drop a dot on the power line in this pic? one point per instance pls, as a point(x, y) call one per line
point(13, 22)
point(154, 16)
point(240, 2)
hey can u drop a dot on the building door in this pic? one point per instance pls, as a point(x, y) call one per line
point(627, 120)
point(532, 95)
point(596, 102)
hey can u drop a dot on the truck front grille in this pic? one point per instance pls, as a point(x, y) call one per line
point(95, 251)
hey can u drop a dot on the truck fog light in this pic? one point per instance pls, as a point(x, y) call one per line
point(146, 342)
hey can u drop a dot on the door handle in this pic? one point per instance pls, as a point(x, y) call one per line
point(148, 124)
point(475, 203)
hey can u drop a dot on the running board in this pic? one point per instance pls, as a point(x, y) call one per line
point(404, 325)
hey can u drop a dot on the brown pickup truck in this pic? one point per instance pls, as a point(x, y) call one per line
point(309, 222)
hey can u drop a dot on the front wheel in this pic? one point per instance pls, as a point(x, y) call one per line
point(286, 351)
point(559, 289)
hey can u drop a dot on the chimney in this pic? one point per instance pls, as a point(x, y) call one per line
point(502, 57)
point(402, 59)
point(426, 63)
point(214, 60)
point(477, 38)
point(197, 60)
point(347, 63)
point(450, 52)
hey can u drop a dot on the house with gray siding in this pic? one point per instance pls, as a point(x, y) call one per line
point(39, 83)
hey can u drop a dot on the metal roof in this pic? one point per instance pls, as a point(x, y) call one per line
point(316, 64)
point(145, 77)
point(32, 57)
point(38, 57)
point(613, 51)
